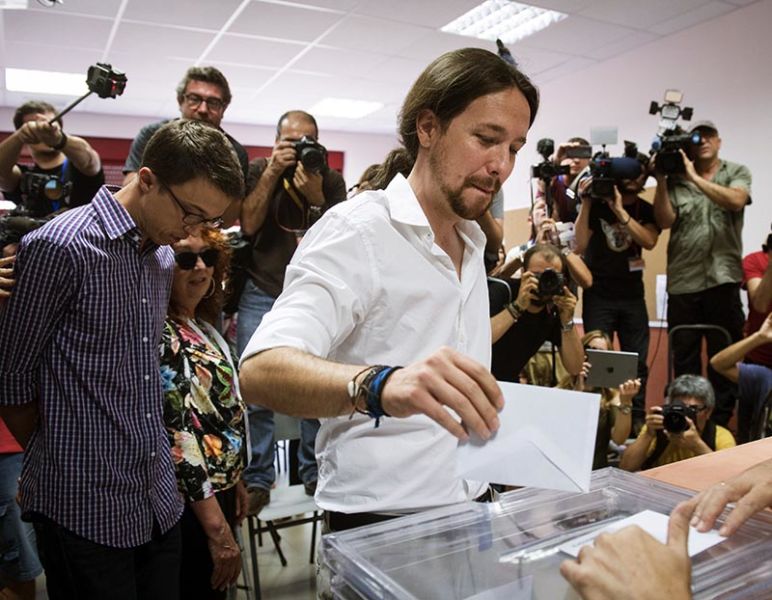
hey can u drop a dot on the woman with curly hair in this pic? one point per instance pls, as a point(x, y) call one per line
point(204, 417)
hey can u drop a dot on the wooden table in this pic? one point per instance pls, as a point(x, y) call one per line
point(701, 472)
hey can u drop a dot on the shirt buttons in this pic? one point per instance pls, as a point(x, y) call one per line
point(152, 454)
point(144, 340)
point(148, 416)
point(144, 300)
point(147, 377)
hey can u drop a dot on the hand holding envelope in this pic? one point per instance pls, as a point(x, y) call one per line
point(546, 439)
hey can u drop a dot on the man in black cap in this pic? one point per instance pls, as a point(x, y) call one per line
point(703, 207)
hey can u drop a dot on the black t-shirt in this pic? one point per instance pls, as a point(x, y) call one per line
point(521, 341)
point(83, 189)
point(611, 249)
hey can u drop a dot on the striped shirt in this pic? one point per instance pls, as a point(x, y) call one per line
point(80, 334)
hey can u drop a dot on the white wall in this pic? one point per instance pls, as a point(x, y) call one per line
point(722, 67)
point(361, 149)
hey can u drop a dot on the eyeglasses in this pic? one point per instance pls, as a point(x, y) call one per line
point(194, 100)
point(188, 259)
point(193, 219)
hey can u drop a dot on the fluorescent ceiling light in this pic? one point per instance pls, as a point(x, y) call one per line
point(45, 82)
point(344, 108)
point(13, 4)
point(507, 21)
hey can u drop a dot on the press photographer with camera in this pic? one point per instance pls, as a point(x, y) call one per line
point(287, 193)
point(528, 311)
point(573, 156)
point(611, 232)
point(703, 207)
point(67, 171)
point(680, 429)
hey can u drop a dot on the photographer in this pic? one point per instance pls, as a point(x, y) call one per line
point(67, 171)
point(289, 192)
point(610, 234)
point(681, 429)
point(203, 95)
point(527, 312)
point(704, 207)
point(565, 198)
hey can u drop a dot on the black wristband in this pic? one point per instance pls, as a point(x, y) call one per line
point(61, 143)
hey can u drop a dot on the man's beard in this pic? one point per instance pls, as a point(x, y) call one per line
point(455, 201)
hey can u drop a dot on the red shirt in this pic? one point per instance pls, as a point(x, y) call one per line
point(754, 265)
point(8, 443)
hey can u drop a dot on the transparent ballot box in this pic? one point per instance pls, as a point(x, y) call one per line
point(509, 549)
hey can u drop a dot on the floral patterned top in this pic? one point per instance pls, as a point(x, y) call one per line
point(203, 413)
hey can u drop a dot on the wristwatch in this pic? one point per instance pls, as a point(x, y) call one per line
point(625, 409)
point(514, 310)
point(566, 327)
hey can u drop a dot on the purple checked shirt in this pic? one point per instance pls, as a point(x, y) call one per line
point(80, 334)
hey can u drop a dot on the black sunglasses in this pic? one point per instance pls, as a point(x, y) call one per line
point(187, 260)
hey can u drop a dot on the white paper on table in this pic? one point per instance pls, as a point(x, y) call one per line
point(651, 522)
point(546, 440)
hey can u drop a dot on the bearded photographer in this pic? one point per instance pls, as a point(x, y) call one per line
point(287, 196)
point(680, 429)
point(611, 234)
point(67, 171)
point(703, 207)
point(528, 311)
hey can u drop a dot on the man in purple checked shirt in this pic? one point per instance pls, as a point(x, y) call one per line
point(79, 372)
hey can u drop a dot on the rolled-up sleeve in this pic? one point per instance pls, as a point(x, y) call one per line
point(328, 286)
point(45, 281)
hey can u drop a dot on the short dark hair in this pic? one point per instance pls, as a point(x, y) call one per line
point(33, 107)
point(452, 82)
point(396, 161)
point(578, 140)
point(184, 149)
point(211, 75)
point(549, 252)
point(298, 113)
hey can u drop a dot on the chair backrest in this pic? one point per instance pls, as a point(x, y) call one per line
point(285, 427)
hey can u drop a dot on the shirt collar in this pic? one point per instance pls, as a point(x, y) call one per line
point(115, 219)
point(405, 208)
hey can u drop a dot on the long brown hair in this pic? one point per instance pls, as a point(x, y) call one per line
point(210, 306)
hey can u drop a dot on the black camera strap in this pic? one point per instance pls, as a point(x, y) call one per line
point(708, 436)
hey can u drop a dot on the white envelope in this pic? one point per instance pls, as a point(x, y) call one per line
point(546, 440)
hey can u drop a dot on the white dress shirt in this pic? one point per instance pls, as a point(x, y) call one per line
point(367, 286)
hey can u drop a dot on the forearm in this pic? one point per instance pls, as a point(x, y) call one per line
point(728, 198)
point(579, 270)
point(664, 213)
point(10, 149)
point(635, 454)
point(254, 209)
point(645, 236)
point(571, 351)
point(21, 421)
point(493, 230)
point(761, 295)
point(296, 383)
point(725, 362)
point(500, 324)
point(211, 518)
point(582, 231)
point(84, 158)
point(622, 425)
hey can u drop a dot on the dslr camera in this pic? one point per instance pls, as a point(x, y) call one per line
point(15, 227)
point(311, 154)
point(551, 283)
point(674, 417)
point(547, 170)
point(43, 191)
point(670, 136)
point(607, 171)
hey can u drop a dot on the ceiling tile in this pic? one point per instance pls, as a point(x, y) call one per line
point(82, 32)
point(253, 51)
point(280, 21)
point(536, 60)
point(335, 61)
point(105, 8)
point(577, 35)
point(373, 35)
point(638, 15)
point(26, 55)
point(569, 7)
point(567, 68)
point(183, 13)
point(151, 42)
point(428, 14)
point(703, 13)
point(399, 70)
point(617, 47)
point(242, 77)
point(435, 43)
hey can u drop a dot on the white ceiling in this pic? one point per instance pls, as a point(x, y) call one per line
point(285, 54)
